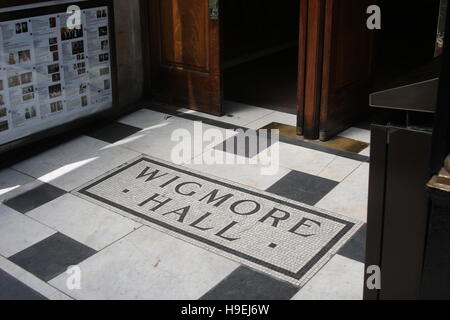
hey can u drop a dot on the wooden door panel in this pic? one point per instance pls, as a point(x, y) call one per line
point(184, 34)
point(186, 63)
point(336, 61)
point(346, 66)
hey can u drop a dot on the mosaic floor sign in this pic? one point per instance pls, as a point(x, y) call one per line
point(286, 239)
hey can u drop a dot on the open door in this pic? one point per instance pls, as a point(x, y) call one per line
point(335, 65)
point(186, 49)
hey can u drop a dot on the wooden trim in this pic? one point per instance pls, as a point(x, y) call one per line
point(301, 80)
point(328, 71)
point(313, 72)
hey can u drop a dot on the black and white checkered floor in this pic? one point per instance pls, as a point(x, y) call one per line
point(45, 227)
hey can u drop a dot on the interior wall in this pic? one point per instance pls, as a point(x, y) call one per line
point(129, 47)
point(250, 26)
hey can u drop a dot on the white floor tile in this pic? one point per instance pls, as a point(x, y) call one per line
point(147, 119)
point(350, 197)
point(72, 164)
point(18, 232)
point(21, 190)
point(150, 265)
point(246, 174)
point(365, 152)
point(339, 169)
point(87, 223)
point(303, 159)
point(164, 142)
point(236, 113)
point(279, 117)
point(357, 134)
point(11, 180)
point(340, 279)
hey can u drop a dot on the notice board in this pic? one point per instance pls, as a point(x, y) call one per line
point(52, 73)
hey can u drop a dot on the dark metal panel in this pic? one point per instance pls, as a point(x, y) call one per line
point(436, 274)
point(405, 217)
point(420, 97)
point(376, 203)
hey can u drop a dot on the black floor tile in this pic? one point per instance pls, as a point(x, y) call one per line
point(252, 146)
point(13, 289)
point(246, 284)
point(113, 132)
point(355, 248)
point(302, 187)
point(34, 198)
point(52, 256)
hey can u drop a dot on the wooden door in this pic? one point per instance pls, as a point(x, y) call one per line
point(335, 65)
point(346, 66)
point(186, 54)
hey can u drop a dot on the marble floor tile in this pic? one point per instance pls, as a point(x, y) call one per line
point(11, 180)
point(339, 169)
point(31, 281)
point(149, 264)
point(72, 164)
point(357, 134)
point(246, 173)
point(303, 159)
point(303, 187)
point(113, 132)
point(185, 139)
point(52, 256)
point(236, 113)
point(355, 248)
point(34, 198)
point(89, 224)
point(279, 117)
point(18, 232)
point(340, 279)
point(146, 119)
point(248, 144)
point(350, 197)
point(21, 189)
point(365, 152)
point(247, 284)
point(13, 289)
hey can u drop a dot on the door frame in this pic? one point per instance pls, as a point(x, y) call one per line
point(309, 83)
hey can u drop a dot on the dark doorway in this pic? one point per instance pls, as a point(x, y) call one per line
point(406, 43)
point(260, 51)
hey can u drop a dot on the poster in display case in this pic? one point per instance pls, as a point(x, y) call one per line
point(52, 74)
